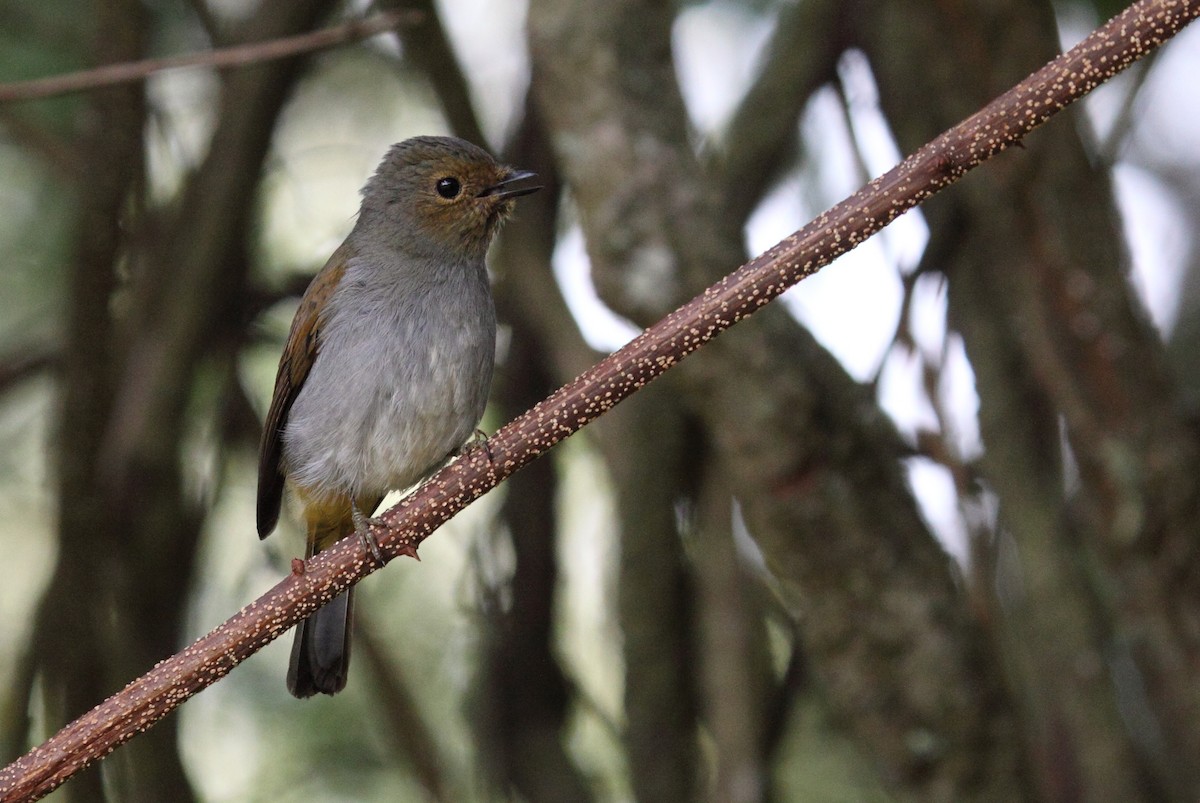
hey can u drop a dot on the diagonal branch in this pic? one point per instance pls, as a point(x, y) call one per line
point(1131, 35)
point(223, 58)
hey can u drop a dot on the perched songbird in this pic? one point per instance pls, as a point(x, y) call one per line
point(386, 370)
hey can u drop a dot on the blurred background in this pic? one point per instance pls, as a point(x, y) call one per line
point(924, 530)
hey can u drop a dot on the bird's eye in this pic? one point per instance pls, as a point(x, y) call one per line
point(448, 187)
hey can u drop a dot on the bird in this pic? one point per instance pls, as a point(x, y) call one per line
point(386, 369)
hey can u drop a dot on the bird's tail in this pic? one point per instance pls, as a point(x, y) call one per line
point(321, 651)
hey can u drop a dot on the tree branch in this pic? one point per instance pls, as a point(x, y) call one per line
point(72, 648)
point(1006, 121)
point(224, 58)
point(1085, 448)
point(16, 369)
point(763, 133)
point(427, 45)
point(813, 460)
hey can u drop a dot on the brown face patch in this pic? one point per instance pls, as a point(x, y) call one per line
point(444, 194)
point(451, 205)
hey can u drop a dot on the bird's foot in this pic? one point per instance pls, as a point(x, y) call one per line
point(479, 440)
point(362, 528)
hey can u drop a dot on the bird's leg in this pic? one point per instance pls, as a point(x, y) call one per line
point(362, 528)
point(479, 440)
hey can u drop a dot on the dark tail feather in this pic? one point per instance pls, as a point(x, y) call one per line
point(321, 651)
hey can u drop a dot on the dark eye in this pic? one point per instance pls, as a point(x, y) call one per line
point(448, 187)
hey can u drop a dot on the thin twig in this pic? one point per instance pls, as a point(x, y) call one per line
point(17, 369)
point(1002, 123)
point(1125, 123)
point(223, 58)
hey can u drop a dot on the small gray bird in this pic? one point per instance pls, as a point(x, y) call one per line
point(386, 369)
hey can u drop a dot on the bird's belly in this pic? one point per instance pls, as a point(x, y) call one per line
point(379, 411)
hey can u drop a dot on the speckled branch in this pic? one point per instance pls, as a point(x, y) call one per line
point(1131, 35)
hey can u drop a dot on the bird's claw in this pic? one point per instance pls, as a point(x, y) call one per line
point(362, 528)
point(479, 440)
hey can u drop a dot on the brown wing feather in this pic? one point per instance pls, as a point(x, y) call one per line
point(298, 356)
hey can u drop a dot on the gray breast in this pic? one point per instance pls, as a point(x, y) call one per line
point(400, 379)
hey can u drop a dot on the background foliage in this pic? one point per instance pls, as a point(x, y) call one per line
point(926, 530)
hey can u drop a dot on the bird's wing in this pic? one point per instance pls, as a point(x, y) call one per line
point(297, 360)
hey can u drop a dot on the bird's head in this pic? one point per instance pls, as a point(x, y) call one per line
point(441, 194)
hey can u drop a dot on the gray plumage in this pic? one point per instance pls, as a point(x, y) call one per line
point(387, 366)
point(415, 342)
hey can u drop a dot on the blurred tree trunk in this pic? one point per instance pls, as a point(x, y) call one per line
point(1184, 343)
point(128, 530)
point(810, 456)
point(1100, 634)
point(526, 698)
point(645, 449)
point(73, 640)
point(735, 673)
point(523, 699)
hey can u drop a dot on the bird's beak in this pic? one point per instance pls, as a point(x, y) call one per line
point(503, 189)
